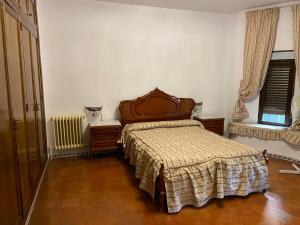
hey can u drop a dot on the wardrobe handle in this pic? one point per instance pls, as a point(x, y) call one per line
point(37, 108)
point(15, 124)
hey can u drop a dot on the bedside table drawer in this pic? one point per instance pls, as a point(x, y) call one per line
point(100, 133)
point(216, 130)
point(104, 130)
point(100, 136)
point(215, 125)
point(105, 138)
point(104, 145)
point(211, 124)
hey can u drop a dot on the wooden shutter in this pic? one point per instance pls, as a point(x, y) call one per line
point(277, 93)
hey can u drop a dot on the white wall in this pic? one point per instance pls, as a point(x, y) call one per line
point(96, 53)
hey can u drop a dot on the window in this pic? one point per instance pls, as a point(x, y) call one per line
point(277, 92)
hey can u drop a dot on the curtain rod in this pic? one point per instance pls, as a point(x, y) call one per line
point(281, 5)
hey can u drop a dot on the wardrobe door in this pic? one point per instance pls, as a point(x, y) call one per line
point(14, 70)
point(30, 105)
point(9, 191)
point(39, 98)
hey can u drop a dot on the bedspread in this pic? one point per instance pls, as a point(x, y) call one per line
point(198, 165)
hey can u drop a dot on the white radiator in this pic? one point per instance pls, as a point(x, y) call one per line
point(68, 132)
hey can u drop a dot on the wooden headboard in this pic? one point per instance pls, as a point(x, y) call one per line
point(155, 106)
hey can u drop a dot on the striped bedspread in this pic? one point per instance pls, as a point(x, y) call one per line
point(198, 165)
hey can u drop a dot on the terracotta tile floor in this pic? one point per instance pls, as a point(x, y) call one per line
point(103, 191)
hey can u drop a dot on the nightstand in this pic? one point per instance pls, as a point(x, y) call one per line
point(104, 135)
point(212, 123)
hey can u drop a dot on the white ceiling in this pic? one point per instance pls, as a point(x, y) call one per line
point(222, 6)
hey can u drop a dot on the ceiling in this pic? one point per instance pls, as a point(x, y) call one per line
point(220, 6)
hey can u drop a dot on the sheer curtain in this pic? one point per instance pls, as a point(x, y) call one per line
point(296, 28)
point(261, 29)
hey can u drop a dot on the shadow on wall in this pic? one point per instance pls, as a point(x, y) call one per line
point(117, 113)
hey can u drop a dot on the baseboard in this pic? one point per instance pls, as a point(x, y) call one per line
point(68, 153)
point(36, 194)
point(282, 157)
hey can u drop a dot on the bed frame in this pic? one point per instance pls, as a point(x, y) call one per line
point(158, 106)
point(155, 106)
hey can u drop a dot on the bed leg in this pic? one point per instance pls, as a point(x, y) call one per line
point(162, 189)
point(162, 198)
point(265, 156)
point(267, 162)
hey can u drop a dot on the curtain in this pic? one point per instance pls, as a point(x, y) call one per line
point(296, 28)
point(261, 28)
point(295, 126)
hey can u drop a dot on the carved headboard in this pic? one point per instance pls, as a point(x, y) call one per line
point(155, 106)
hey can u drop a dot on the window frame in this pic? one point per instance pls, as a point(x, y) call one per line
point(291, 86)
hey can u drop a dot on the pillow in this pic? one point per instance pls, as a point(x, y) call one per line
point(162, 124)
point(158, 124)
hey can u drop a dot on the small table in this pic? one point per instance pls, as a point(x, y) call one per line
point(212, 122)
point(104, 136)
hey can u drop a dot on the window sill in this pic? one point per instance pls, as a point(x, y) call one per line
point(259, 125)
point(262, 131)
point(265, 132)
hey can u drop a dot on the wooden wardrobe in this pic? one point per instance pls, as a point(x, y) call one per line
point(23, 151)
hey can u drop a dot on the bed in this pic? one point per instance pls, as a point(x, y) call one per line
point(181, 163)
